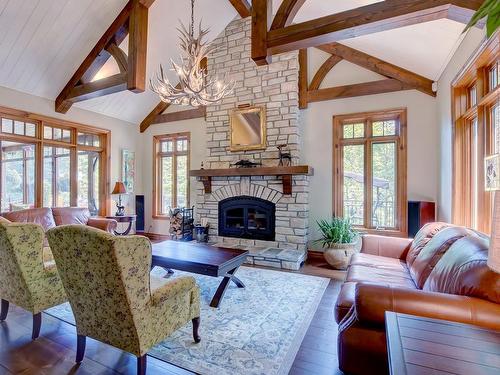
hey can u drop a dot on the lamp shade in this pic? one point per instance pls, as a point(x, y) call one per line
point(494, 250)
point(119, 188)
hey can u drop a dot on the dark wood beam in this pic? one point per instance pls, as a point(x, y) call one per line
point(157, 110)
point(181, 115)
point(385, 15)
point(359, 89)
point(323, 71)
point(242, 7)
point(261, 18)
point(101, 87)
point(303, 78)
point(381, 67)
point(132, 20)
point(286, 13)
point(62, 104)
point(137, 47)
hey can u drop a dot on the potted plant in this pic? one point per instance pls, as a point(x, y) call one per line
point(339, 240)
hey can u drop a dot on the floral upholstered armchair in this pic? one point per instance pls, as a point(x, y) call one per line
point(26, 279)
point(113, 296)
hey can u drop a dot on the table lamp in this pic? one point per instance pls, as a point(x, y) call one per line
point(492, 183)
point(119, 189)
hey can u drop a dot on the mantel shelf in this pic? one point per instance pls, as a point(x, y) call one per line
point(286, 173)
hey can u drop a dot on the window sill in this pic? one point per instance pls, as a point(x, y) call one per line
point(383, 232)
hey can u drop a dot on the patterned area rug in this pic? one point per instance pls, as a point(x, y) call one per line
point(257, 330)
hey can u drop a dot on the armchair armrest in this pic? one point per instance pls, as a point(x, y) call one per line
point(392, 247)
point(372, 301)
point(108, 225)
point(164, 290)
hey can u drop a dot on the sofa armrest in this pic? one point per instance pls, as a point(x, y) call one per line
point(392, 247)
point(372, 301)
point(108, 225)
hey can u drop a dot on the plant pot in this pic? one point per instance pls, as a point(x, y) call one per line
point(339, 255)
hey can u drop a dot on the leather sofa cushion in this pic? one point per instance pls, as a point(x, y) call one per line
point(432, 252)
point(41, 216)
point(391, 277)
point(463, 270)
point(345, 300)
point(363, 259)
point(423, 236)
point(70, 215)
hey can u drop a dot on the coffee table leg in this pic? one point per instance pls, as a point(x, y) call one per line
point(221, 290)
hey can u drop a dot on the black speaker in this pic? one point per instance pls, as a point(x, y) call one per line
point(139, 211)
point(419, 214)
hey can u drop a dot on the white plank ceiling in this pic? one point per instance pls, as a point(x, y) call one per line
point(42, 42)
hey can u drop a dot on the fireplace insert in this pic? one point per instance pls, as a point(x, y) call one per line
point(247, 217)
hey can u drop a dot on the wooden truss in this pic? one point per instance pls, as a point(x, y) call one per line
point(132, 21)
point(397, 78)
point(281, 35)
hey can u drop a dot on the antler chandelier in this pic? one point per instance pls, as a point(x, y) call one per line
point(195, 87)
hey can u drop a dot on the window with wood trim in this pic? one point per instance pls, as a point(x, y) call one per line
point(370, 170)
point(47, 162)
point(476, 134)
point(171, 173)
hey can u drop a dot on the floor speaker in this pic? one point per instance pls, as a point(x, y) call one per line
point(419, 214)
point(139, 210)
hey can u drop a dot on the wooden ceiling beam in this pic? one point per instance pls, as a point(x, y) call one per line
point(385, 15)
point(132, 20)
point(359, 89)
point(243, 7)
point(323, 71)
point(181, 115)
point(381, 67)
point(262, 13)
point(286, 13)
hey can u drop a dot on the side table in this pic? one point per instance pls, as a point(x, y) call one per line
point(421, 346)
point(123, 219)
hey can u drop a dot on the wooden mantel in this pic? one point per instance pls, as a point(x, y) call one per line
point(286, 173)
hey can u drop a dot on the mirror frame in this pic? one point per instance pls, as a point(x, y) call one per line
point(263, 135)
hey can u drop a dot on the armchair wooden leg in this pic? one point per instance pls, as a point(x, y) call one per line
point(37, 323)
point(141, 365)
point(4, 311)
point(80, 348)
point(196, 326)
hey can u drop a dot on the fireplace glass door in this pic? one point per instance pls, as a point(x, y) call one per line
point(247, 217)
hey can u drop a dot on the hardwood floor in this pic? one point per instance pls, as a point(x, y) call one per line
point(54, 352)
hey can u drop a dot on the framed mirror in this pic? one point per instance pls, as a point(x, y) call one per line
point(248, 129)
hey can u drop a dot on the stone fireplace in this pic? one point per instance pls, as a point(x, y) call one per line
point(255, 212)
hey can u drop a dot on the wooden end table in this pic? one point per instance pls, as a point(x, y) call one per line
point(123, 219)
point(202, 259)
point(418, 345)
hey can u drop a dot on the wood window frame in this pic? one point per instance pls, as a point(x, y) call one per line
point(400, 139)
point(40, 142)
point(157, 155)
point(469, 195)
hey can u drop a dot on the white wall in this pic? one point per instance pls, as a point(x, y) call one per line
point(197, 128)
point(466, 49)
point(124, 135)
point(317, 139)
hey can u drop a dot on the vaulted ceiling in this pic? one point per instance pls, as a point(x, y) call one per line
point(42, 43)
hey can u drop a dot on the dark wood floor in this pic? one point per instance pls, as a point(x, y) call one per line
point(54, 352)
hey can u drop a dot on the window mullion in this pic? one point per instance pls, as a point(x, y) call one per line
point(368, 184)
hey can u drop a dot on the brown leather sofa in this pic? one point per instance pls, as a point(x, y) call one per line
point(51, 217)
point(441, 274)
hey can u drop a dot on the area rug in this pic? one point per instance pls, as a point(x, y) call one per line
point(255, 331)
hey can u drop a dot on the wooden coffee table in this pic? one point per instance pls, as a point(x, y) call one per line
point(202, 259)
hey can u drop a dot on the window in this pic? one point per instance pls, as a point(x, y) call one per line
point(476, 130)
point(18, 175)
point(370, 170)
point(51, 163)
point(171, 173)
